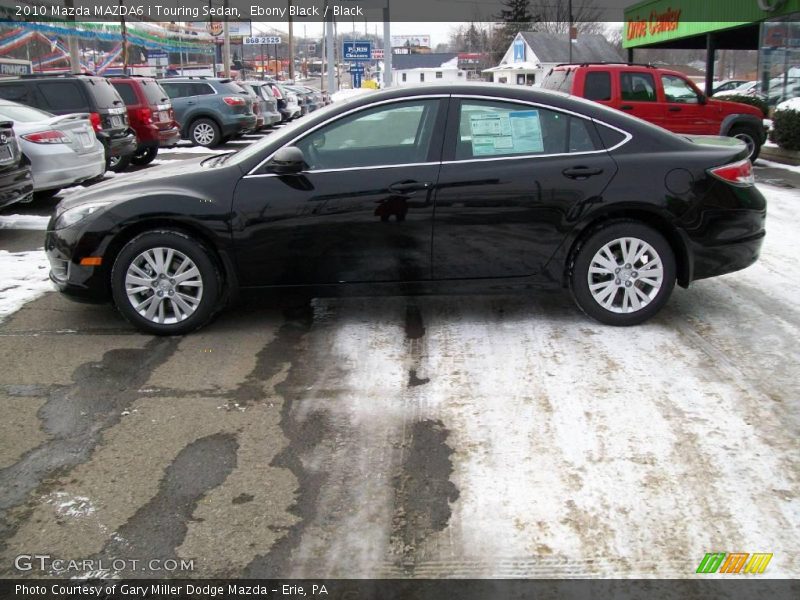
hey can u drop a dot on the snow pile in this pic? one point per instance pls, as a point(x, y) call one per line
point(344, 95)
point(34, 222)
point(790, 104)
point(23, 277)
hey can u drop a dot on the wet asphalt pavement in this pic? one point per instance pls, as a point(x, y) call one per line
point(399, 436)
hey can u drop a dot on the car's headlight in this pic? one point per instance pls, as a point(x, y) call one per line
point(79, 213)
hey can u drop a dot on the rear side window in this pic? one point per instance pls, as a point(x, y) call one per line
point(497, 129)
point(105, 95)
point(17, 92)
point(128, 94)
point(597, 85)
point(200, 89)
point(176, 90)
point(637, 87)
point(229, 87)
point(609, 137)
point(559, 80)
point(62, 95)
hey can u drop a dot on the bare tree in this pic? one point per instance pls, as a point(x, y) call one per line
point(554, 16)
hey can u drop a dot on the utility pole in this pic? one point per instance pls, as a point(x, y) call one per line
point(124, 31)
point(72, 41)
point(291, 42)
point(387, 48)
point(569, 32)
point(226, 44)
point(330, 53)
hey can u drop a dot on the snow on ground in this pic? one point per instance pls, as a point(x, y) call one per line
point(790, 104)
point(761, 162)
point(192, 150)
point(23, 277)
point(35, 222)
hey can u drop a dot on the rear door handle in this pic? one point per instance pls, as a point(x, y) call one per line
point(581, 172)
point(404, 187)
point(626, 107)
point(674, 109)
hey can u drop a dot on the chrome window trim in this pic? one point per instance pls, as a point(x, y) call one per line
point(252, 173)
point(627, 136)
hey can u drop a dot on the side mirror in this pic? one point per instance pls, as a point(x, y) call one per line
point(287, 160)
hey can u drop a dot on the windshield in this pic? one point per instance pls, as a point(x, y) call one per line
point(23, 114)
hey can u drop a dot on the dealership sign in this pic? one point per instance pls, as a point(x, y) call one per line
point(654, 23)
point(357, 50)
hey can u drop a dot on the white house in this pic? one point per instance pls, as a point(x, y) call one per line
point(532, 54)
point(409, 69)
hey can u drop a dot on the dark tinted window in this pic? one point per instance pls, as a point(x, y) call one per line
point(17, 92)
point(62, 95)
point(229, 87)
point(637, 87)
point(105, 96)
point(176, 90)
point(597, 85)
point(609, 137)
point(126, 91)
point(559, 80)
point(201, 89)
point(154, 93)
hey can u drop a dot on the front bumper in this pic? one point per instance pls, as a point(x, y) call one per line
point(77, 282)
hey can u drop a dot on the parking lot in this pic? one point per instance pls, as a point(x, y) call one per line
point(432, 436)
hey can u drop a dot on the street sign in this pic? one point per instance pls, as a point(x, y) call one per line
point(377, 54)
point(256, 40)
point(357, 50)
point(356, 69)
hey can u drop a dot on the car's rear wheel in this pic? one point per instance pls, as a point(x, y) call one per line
point(750, 139)
point(145, 157)
point(118, 163)
point(204, 132)
point(623, 274)
point(166, 283)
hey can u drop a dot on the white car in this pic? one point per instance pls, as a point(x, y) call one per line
point(746, 89)
point(63, 150)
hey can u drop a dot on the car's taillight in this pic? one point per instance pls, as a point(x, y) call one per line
point(234, 101)
point(97, 122)
point(53, 136)
point(257, 108)
point(146, 115)
point(277, 93)
point(738, 173)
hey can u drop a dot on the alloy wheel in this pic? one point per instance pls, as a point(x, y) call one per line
point(625, 275)
point(203, 134)
point(164, 285)
point(749, 142)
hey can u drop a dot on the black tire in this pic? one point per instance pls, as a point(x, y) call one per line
point(45, 194)
point(584, 255)
point(146, 156)
point(118, 163)
point(209, 300)
point(750, 137)
point(205, 132)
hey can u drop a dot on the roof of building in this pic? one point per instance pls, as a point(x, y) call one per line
point(421, 61)
point(550, 48)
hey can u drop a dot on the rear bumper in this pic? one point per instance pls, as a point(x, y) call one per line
point(120, 145)
point(67, 168)
point(16, 186)
point(710, 261)
point(159, 138)
point(238, 123)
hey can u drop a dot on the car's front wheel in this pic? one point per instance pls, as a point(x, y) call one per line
point(166, 283)
point(623, 274)
point(146, 156)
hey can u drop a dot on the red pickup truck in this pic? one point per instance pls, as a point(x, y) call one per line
point(660, 96)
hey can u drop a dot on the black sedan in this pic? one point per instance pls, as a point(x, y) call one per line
point(427, 189)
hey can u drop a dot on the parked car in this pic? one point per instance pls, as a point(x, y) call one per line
point(150, 115)
point(210, 110)
point(529, 188)
point(62, 150)
point(16, 183)
point(317, 99)
point(663, 97)
point(310, 103)
point(255, 97)
point(267, 101)
point(727, 84)
point(748, 88)
point(288, 106)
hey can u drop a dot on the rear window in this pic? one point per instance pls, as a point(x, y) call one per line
point(154, 93)
point(597, 85)
point(230, 88)
point(105, 96)
point(23, 114)
point(559, 80)
point(126, 91)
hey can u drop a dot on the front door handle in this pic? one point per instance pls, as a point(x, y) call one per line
point(626, 107)
point(674, 109)
point(581, 172)
point(404, 187)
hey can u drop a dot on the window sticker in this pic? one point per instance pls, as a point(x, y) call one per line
point(517, 132)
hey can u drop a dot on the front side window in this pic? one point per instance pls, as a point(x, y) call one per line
point(637, 87)
point(677, 89)
point(498, 129)
point(397, 133)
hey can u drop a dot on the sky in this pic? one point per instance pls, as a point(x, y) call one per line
point(439, 32)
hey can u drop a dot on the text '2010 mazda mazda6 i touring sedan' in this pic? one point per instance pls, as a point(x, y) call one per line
point(430, 189)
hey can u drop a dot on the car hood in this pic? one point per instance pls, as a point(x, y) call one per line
point(132, 185)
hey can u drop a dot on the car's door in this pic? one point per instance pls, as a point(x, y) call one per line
point(515, 176)
point(178, 93)
point(361, 211)
point(685, 111)
point(638, 96)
